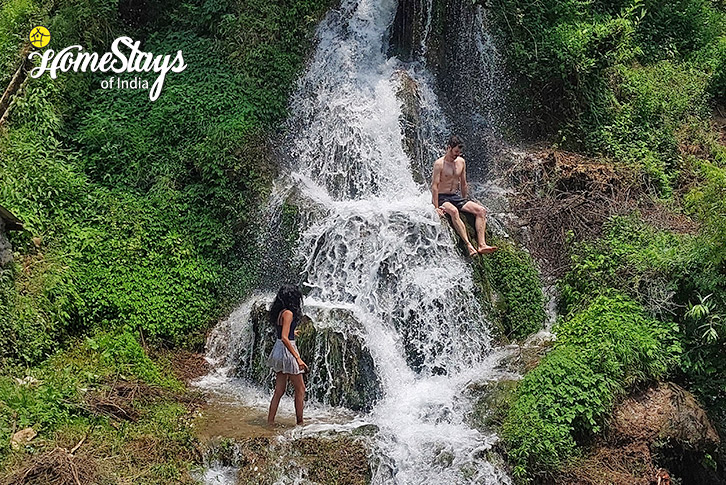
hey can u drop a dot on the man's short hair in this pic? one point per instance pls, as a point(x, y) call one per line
point(455, 141)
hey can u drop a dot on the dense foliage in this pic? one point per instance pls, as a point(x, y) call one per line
point(617, 78)
point(634, 82)
point(676, 277)
point(599, 353)
point(142, 213)
point(139, 216)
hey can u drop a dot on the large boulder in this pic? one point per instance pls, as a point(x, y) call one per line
point(665, 415)
point(657, 432)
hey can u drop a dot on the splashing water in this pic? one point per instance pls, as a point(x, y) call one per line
point(375, 247)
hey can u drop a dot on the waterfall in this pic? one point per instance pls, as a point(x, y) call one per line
point(374, 247)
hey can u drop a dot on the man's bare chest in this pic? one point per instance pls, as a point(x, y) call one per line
point(451, 171)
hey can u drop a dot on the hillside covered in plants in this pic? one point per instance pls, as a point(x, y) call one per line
point(139, 221)
point(629, 217)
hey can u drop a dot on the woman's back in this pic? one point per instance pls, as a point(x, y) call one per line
point(293, 325)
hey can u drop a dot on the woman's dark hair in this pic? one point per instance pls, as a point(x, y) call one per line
point(288, 297)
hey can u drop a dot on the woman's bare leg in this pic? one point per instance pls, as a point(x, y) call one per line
point(280, 385)
point(299, 384)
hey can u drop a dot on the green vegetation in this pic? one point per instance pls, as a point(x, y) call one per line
point(615, 78)
point(599, 353)
point(511, 273)
point(145, 211)
point(610, 342)
point(632, 82)
point(677, 277)
point(140, 217)
point(95, 394)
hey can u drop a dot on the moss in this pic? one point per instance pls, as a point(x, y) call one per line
point(509, 284)
point(491, 407)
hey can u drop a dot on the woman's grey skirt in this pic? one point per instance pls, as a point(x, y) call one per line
point(281, 360)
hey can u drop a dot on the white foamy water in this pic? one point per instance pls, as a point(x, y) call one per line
point(375, 248)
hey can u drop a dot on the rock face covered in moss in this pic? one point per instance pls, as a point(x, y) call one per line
point(509, 279)
point(316, 459)
point(509, 286)
point(341, 367)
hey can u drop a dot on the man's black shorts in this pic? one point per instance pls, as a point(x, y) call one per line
point(455, 199)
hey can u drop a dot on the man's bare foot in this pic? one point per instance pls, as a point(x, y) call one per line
point(486, 249)
point(472, 251)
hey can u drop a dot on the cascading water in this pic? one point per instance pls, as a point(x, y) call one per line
point(375, 248)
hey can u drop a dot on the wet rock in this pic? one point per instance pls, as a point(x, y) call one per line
point(342, 373)
point(263, 461)
point(524, 359)
point(413, 145)
point(495, 398)
point(451, 38)
point(366, 430)
point(408, 31)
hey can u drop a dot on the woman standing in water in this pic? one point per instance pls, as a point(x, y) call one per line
point(285, 359)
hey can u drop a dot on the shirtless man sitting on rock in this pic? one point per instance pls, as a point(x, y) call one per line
point(449, 177)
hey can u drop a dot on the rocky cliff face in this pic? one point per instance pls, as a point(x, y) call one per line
point(451, 38)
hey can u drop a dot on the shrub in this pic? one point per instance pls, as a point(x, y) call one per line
point(632, 258)
point(614, 78)
point(512, 274)
point(599, 354)
point(146, 212)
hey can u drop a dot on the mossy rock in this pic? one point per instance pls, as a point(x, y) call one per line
point(261, 461)
point(495, 399)
point(510, 287)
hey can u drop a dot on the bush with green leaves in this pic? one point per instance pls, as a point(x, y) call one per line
point(633, 258)
point(675, 277)
point(600, 353)
point(717, 85)
point(512, 274)
point(17, 18)
point(614, 78)
point(704, 321)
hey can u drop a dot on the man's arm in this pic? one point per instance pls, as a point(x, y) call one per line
point(462, 180)
point(435, 184)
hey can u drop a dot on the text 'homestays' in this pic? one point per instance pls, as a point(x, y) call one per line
point(73, 58)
